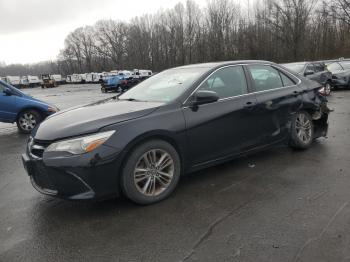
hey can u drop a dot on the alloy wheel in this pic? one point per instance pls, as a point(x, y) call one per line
point(27, 121)
point(303, 128)
point(154, 172)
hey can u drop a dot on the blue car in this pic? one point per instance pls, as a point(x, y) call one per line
point(114, 83)
point(25, 110)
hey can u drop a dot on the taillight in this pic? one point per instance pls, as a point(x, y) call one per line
point(322, 91)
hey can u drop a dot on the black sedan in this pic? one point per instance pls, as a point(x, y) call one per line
point(341, 73)
point(181, 120)
point(316, 71)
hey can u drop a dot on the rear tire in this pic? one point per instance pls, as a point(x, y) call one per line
point(328, 88)
point(151, 172)
point(28, 120)
point(302, 131)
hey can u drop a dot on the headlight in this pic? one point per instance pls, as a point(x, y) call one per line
point(52, 109)
point(80, 145)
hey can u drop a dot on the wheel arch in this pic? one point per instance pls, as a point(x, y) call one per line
point(166, 136)
point(34, 108)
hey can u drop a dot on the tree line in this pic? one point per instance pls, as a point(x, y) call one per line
point(274, 30)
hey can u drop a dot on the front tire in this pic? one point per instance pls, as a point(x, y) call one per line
point(302, 131)
point(28, 120)
point(151, 172)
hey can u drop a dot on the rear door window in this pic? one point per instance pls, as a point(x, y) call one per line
point(265, 77)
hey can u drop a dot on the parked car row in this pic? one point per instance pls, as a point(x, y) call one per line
point(340, 73)
point(53, 80)
point(45, 80)
point(120, 81)
point(103, 77)
point(331, 73)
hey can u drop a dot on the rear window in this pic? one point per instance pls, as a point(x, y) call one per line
point(296, 67)
point(334, 67)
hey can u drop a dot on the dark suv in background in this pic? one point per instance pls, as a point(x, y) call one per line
point(341, 73)
point(316, 71)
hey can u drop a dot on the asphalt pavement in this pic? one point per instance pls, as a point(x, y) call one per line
point(278, 205)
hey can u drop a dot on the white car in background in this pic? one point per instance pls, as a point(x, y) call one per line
point(142, 74)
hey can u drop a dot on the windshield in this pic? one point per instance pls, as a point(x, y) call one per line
point(334, 67)
point(165, 86)
point(4, 85)
point(298, 68)
point(346, 65)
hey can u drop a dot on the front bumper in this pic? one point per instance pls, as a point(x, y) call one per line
point(84, 177)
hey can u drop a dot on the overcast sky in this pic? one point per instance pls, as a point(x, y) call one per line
point(34, 30)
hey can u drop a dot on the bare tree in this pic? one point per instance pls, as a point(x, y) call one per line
point(276, 30)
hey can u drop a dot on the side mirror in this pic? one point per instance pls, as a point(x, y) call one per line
point(7, 91)
point(204, 97)
point(309, 72)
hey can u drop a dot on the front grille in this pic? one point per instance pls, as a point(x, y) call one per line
point(37, 148)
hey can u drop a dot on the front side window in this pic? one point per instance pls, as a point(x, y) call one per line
point(227, 82)
point(265, 77)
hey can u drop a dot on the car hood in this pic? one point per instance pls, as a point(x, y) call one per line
point(38, 101)
point(90, 118)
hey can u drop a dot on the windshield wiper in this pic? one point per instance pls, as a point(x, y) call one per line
point(132, 99)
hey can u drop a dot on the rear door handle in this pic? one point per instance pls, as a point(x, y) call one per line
point(296, 93)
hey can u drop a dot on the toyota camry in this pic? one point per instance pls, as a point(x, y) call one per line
point(181, 120)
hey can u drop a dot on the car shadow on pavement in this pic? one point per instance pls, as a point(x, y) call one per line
point(201, 184)
point(201, 201)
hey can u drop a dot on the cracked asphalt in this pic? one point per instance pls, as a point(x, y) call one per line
point(278, 205)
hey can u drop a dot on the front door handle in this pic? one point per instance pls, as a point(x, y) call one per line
point(296, 93)
point(250, 105)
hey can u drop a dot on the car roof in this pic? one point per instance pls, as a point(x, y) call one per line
point(223, 63)
point(295, 63)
